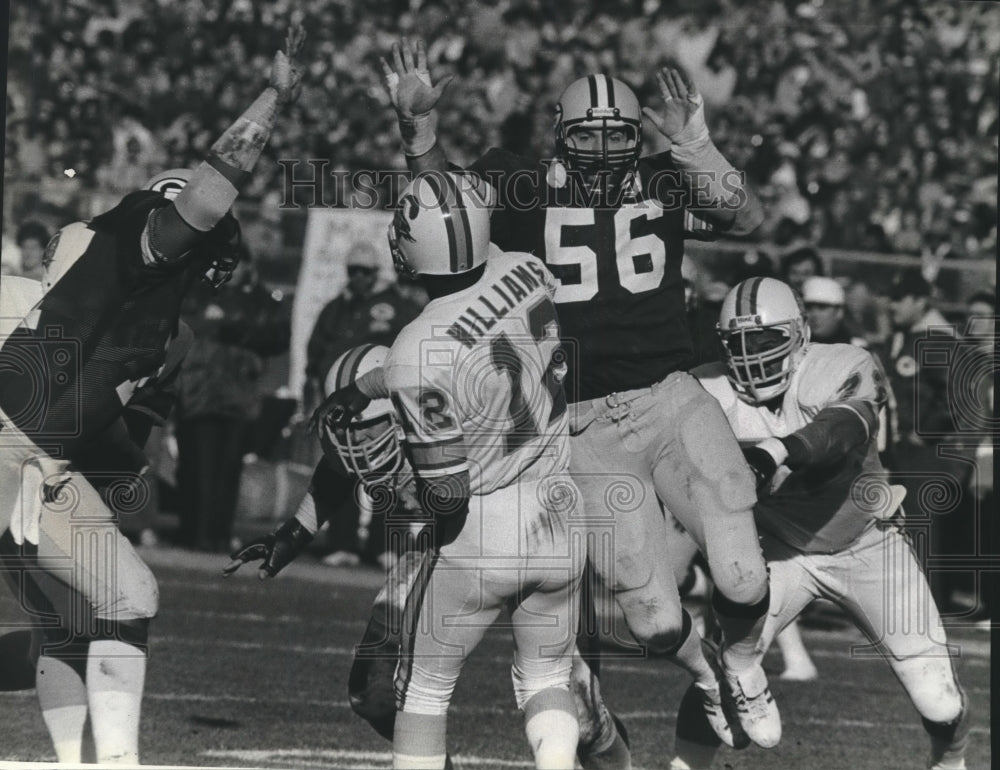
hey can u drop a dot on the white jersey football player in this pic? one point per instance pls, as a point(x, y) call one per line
point(807, 416)
point(477, 383)
point(370, 451)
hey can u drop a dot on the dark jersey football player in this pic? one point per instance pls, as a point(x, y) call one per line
point(111, 303)
point(611, 225)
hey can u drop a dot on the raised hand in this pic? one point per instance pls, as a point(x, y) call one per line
point(286, 75)
point(683, 116)
point(408, 81)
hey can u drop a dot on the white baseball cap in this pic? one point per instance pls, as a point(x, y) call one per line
point(823, 291)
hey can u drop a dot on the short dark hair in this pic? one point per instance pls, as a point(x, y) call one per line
point(32, 230)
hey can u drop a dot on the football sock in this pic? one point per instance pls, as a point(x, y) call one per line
point(552, 730)
point(741, 625)
point(688, 654)
point(949, 741)
point(62, 697)
point(418, 742)
point(116, 674)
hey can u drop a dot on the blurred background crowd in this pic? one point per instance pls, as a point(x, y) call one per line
point(869, 129)
point(866, 125)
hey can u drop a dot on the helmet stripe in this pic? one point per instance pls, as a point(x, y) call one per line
point(449, 226)
point(463, 229)
point(611, 91)
point(753, 293)
point(349, 369)
point(746, 297)
point(592, 82)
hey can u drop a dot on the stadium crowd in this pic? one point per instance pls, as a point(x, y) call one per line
point(864, 125)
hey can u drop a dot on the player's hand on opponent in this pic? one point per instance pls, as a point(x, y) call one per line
point(764, 459)
point(408, 81)
point(286, 74)
point(276, 550)
point(339, 408)
point(682, 119)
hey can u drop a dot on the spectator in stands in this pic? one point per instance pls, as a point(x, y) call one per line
point(235, 328)
point(32, 238)
point(824, 301)
point(799, 264)
point(358, 315)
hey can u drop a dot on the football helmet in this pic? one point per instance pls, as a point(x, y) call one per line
point(223, 242)
point(441, 227)
point(603, 104)
point(764, 333)
point(370, 446)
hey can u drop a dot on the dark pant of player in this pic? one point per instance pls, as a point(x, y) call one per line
point(209, 466)
point(938, 516)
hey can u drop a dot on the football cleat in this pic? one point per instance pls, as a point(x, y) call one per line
point(754, 705)
point(711, 704)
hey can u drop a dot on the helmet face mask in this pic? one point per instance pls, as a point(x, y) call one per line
point(369, 449)
point(604, 106)
point(764, 333)
point(371, 446)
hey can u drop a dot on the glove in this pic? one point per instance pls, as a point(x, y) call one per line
point(339, 408)
point(764, 459)
point(277, 550)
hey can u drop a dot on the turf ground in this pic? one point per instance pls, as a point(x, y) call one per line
point(244, 673)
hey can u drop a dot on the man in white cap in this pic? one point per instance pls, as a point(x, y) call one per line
point(824, 303)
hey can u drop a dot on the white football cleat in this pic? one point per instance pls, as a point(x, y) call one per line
point(711, 703)
point(754, 705)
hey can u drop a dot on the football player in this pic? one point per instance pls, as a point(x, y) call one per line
point(101, 327)
point(476, 380)
point(610, 225)
point(807, 415)
point(369, 451)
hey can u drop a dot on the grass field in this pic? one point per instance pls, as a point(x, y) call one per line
point(253, 674)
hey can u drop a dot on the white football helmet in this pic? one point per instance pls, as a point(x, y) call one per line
point(442, 226)
point(599, 103)
point(370, 446)
point(764, 333)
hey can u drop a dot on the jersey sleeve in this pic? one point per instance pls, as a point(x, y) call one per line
point(844, 392)
point(846, 376)
point(422, 395)
point(663, 179)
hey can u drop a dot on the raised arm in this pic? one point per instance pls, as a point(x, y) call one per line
point(414, 97)
point(719, 193)
point(172, 230)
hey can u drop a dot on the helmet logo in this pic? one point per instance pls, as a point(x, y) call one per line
point(408, 209)
point(745, 321)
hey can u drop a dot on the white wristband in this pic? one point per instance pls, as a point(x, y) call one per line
point(775, 448)
point(418, 134)
point(306, 514)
